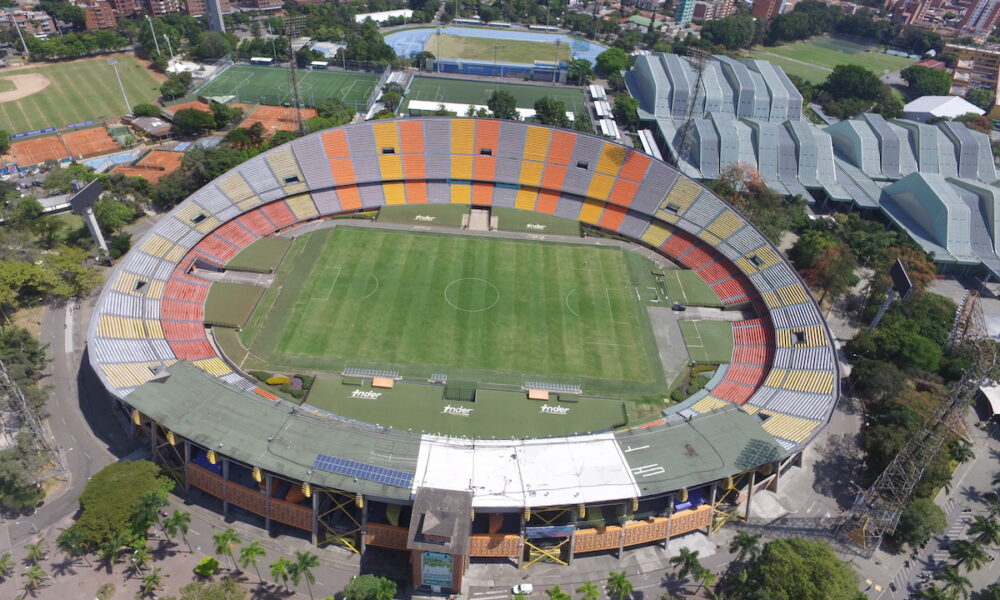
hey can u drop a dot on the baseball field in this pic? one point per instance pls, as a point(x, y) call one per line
point(56, 95)
point(479, 309)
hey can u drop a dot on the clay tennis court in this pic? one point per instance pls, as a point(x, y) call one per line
point(277, 118)
point(89, 142)
point(153, 166)
point(38, 150)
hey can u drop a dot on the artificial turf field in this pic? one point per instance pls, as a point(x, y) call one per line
point(440, 89)
point(506, 50)
point(270, 85)
point(489, 310)
point(81, 90)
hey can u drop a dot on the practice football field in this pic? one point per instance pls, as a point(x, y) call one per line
point(77, 91)
point(490, 49)
point(815, 58)
point(271, 86)
point(479, 309)
point(441, 89)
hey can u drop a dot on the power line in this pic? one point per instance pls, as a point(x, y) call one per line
point(21, 412)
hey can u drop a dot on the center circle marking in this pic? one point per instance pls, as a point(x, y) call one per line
point(472, 309)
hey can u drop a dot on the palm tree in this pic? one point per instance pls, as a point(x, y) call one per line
point(111, 547)
point(953, 581)
point(996, 479)
point(589, 591)
point(148, 511)
point(705, 577)
point(140, 559)
point(961, 451)
point(986, 529)
point(745, 546)
point(556, 593)
point(33, 579)
point(302, 567)
point(36, 552)
point(688, 562)
point(970, 553)
point(71, 543)
point(151, 582)
point(224, 542)
point(935, 593)
point(178, 522)
point(279, 570)
point(6, 565)
point(249, 555)
point(618, 586)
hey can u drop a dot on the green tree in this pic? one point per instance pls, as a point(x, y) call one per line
point(687, 563)
point(968, 553)
point(36, 552)
point(984, 99)
point(23, 211)
point(618, 586)
point(71, 543)
point(935, 593)
point(178, 522)
point(225, 115)
point(925, 81)
point(6, 565)
point(370, 587)
point(588, 591)
point(280, 572)
point(151, 582)
point(549, 111)
point(626, 110)
point(302, 568)
point(191, 122)
point(953, 582)
point(889, 104)
point(249, 555)
point(852, 81)
point(176, 85)
point(579, 72)
point(140, 558)
point(797, 569)
point(961, 451)
point(833, 272)
point(556, 593)
point(745, 545)
point(110, 501)
point(986, 529)
point(226, 588)
point(223, 543)
point(734, 32)
point(146, 110)
point(112, 214)
point(212, 45)
point(335, 111)
point(391, 100)
point(34, 577)
point(503, 105)
point(612, 60)
point(4, 141)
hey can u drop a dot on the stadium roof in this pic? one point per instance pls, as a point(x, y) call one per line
point(928, 107)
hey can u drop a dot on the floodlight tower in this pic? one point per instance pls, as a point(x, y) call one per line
point(82, 203)
point(294, 27)
point(699, 60)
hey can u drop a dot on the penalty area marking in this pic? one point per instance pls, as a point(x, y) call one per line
point(330, 290)
point(568, 307)
point(375, 289)
point(472, 310)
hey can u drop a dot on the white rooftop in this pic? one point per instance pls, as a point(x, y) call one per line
point(942, 106)
point(515, 473)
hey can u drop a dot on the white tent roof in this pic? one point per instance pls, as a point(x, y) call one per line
point(942, 106)
point(992, 394)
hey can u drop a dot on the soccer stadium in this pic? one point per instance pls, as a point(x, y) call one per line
point(442, 340)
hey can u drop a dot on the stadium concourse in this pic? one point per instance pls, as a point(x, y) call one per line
point(447, 500)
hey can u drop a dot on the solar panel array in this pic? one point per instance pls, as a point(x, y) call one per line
point(353, 468)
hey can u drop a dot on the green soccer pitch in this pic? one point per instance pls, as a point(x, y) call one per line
point(77, 91)
point(271, 86)
point(440, 89)
point(490, 49)
point(482, 309)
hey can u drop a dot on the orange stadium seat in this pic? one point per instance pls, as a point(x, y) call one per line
point(183, 330)
point(416, 192)
point(733, 392)
point(750, 375)
point(256, 222)
point(279, 214)
point(192, 350)
point(181, 310)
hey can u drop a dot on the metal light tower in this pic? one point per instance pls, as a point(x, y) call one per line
point(114, 65)
point(699, 60)
point(153, 31)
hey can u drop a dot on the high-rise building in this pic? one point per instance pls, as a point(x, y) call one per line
point(125, 8)
point(197, 8)
point(263, 4)
point(30, 21)
point(98, 14)
point(765, 9)
point(981, 18)
point(158, 8)
point(685, 12)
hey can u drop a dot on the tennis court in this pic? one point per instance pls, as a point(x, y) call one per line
point(278, 118)
point(82, 143)
point(271, 85)
point(440, 89)
point(38, 150)
point(708, 341)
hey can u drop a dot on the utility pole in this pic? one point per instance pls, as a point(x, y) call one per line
point(23, 44)
point(153, 31)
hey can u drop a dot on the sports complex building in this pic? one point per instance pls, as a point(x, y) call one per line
point(531, 489)
point(934, 181)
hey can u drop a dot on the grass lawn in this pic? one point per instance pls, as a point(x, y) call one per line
point(438, 215)
point(826, 53)
point(81, 90)
point(270, 85)
point(231, 304)
point(440, 89)
point(493, 414)
point(262, 256)
point(684, 286)
point(708, 341)
point(509, 51)
point(478, 309)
